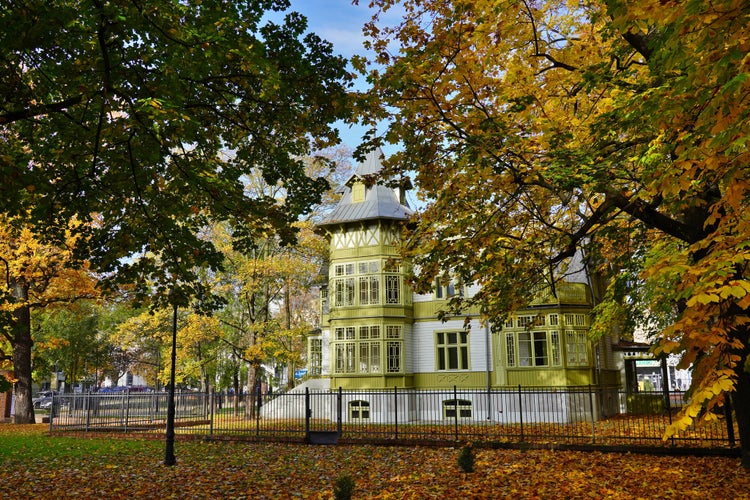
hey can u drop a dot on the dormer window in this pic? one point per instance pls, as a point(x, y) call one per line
point(358, 192)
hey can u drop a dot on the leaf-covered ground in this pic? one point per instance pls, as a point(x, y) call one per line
point(33, 465)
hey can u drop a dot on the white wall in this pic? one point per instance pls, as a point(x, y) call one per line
point(423, 344)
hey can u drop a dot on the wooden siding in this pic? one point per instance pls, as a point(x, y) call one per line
point(423, 338)
point(549, 377)
point(566, 293)
point(429, 310)
point(367, 313)
point(354, 382)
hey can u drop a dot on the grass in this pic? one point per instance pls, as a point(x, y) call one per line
point(31, 442)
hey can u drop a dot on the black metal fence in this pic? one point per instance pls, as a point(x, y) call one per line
point(581, 416)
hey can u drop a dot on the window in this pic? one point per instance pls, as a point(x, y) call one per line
point(316, 356)
point(533, 349)
point(369, 290)
point(575, 320)
point(457, 407)
point(392, 289)
point(369, 332)
point(359, 410)
point(344, 333)
point(452, 350)
point(524, 349)
point(344, 357)
point(369, 267)
point(393, 350)
point(541, 357)
point(324, 300)
point(343, 286)
point(343, 269)
point(375, 332)
point(524, 321)
point(393, 332)
point(369, 357)
point(510, 348)
point(577, 347)
point(358, 192)
point(555, 345)
point(343, 291)
point(392, 266)
point(447, 288)
point(554, 320)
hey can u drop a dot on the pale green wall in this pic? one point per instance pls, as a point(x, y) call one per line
point(576, 298)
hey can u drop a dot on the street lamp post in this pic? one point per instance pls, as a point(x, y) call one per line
point(169, 458)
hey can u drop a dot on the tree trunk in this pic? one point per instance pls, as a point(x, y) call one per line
point(290, 365)
point(22, 342)
point(741, 403)
point(236, 395)
point(251, 395)
point(290, 381)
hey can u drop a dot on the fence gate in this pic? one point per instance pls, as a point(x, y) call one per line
point(323, 417)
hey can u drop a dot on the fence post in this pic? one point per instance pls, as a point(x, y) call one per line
point(52, 412)
point(520, 410)
point(591, 408)
point(125, 408)
point(308, 414)
point(259, 404)
point(395, 410)
point(86, 408)
point(455, 412)
point(339, 399)
point(211, 401)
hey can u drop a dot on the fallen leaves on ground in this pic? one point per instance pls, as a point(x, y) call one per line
point(118, 468)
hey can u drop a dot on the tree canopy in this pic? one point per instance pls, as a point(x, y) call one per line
point(36, 276)
point(538, 128)
point(141, 118)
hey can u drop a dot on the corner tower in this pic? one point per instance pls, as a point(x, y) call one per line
point(367, 306)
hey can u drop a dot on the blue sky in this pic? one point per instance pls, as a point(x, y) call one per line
point(339, 22)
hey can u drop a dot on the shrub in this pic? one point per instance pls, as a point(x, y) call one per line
point(466, 458)
point(343, 488)
point(645, 404)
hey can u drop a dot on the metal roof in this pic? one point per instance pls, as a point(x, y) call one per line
point(380, 202)
point(372, 164)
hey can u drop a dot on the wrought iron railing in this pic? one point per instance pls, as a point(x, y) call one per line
point(588, 416)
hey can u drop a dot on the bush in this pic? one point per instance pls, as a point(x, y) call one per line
point(343, 488)
point(645, 404)
point(466, 458)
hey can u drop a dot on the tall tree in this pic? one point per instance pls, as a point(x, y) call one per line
point(120, 112)
point(146, 338)
point(67, 336)
point(36, 276)
point(541, 127)
point(267, 284)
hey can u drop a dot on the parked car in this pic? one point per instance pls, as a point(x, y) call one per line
point(43, 397)
point(45, 403)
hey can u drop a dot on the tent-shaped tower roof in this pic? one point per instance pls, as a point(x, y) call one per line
point(380, 202)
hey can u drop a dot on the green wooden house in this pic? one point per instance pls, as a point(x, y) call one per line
point(376, 333)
